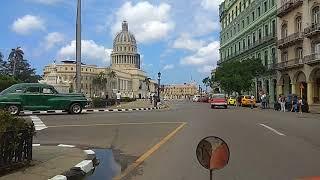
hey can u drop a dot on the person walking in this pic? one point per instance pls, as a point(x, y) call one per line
point(294, 104)
point(118, 98)
point(263, 100)
point(300, 103)
point(252, 101)
point(282, 102)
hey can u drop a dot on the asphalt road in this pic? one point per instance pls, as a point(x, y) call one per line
point(263, 144)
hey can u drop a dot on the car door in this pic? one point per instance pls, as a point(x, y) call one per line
point(50, 100)
point(32, 98)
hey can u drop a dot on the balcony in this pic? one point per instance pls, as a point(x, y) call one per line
point(312, 59)
point(293, 63)
point(290, 40)
point(312, 30)
point(289, 6)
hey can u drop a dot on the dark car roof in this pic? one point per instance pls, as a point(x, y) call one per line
point(23, 85)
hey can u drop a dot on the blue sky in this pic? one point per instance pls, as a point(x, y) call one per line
point(180, 38)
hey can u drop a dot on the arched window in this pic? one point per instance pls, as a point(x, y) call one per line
point(284, 31)
point(316, 15)
point(299, 53)
point(298, 24)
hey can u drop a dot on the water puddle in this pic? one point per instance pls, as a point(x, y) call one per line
point(108, 167)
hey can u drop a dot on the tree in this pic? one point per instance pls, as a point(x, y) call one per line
point(238, 76)
point(100, 81)
point(19, 67)
point(3, 65)
point(6, 81)
point(207, 82)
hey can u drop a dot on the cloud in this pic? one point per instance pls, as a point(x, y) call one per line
point(211, 5)
point(28, 24)
point(53, 39)
point(205, 59)
point(47, 2)
point(92, 53)
point(204, 24)
point(148, 22)
point(168, 66)
point(186, 42)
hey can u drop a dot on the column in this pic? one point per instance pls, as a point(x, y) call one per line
point(279, 90)
point(271, 90)
point(310, 93)
point(294, 88)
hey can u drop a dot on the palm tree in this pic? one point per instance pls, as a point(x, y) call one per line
point(15, 56)
point(206, 81)
point(100, 81)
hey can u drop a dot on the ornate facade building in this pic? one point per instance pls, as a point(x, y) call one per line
point(249, 31)
point(179, 91)
point(124, 74)
point(298, 67)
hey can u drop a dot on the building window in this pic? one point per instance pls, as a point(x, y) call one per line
point(265, 5)
point(266, 58)
point(235, 48)
point(249, 43)
point(316, 15)
point(71, 68)
point(273, 28)
point(259, 56)
point(253, 16)
point(66, 68)
point(236, 10)
point(239, 46)
point(238, 27)
point(284, 31)
point(234, 29)
point(232, 14)
point(284, 56)
point(298, 24)
point(260, 35)
point(272, 3)
point(254, 38)
point(273, 52)
point(248, 20)
point(244, 44)
point(299, 53)
point(266, 30)
point(242, 24)
point(259, 11)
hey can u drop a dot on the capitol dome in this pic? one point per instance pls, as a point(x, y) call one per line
point(124, 52)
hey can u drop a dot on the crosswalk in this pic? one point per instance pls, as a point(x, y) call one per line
point(38, 124)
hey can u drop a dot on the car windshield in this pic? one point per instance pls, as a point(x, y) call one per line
point(218, 96)
point(12, 89)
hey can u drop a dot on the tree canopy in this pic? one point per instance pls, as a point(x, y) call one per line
point(238, 76)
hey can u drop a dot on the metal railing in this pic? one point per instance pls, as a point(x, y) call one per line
point(312, 30)
point(288, 6)
point(290, 63)
point(284, 42)
point(15, 148)
point(312, 58)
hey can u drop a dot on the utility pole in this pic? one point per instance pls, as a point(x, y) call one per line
point(78, 48)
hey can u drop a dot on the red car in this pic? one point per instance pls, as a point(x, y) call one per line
point(218, 100)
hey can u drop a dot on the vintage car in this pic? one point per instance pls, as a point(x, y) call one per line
point(37, 97)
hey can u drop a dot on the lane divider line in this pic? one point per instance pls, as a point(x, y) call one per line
point(273, 130)
point(147, 154)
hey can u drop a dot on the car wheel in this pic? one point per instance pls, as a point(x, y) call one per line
point(13, 109)
point(75, 108)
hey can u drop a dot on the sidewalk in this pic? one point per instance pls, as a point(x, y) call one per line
point(134, 104)
point(48, 161)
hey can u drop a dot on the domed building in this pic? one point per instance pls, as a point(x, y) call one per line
point(127, 75)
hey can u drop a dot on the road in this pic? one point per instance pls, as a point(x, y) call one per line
point(263, 144)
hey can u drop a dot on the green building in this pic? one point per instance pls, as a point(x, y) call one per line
point(249, 30)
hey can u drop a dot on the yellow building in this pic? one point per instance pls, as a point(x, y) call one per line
point(179, 91)
point(124, 74)
point(298, 67)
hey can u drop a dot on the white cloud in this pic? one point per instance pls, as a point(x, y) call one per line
point(168, 66)
point(27, 24)
point(205, 59)
point(92, 53)
point(147, 21)
point(205, 25)
point(53, 39)
point(47, 2)
point(211, 5)
point(186, 42)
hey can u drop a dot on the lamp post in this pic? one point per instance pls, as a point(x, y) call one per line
point(159, 78)
point(78, 48)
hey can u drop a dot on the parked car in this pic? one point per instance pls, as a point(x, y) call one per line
point(246, 101)
point(218, 100)
point(232, 101)
point(204, 99)
point(196, 98)
point(36, 96)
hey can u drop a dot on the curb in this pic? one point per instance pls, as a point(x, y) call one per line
point(80, 169)
point(88, 111)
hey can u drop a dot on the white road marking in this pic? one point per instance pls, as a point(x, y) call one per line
point(273, 130)
point(36, 145)
point(38, 124)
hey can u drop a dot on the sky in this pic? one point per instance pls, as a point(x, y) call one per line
point(179, 38)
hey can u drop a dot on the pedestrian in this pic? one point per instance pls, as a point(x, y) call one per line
point(118, 98)
point(267, 101)
point(252, 101)
point(282, 102)
point(294, 103)
point(300, 103)
point(263, 100)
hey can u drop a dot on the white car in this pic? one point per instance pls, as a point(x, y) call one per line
point(196, 98)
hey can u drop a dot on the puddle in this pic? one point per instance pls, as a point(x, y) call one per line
point(108, 167)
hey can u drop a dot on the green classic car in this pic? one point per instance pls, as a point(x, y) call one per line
point(41, 97)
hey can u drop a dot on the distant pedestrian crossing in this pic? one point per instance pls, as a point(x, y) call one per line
point(38, 124)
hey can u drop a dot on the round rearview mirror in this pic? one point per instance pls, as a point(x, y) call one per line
point(213, 153)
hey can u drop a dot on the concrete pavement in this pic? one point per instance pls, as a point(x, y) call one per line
point(257, 152)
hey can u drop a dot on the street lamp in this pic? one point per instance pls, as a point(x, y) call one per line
point(159, 78)
point(78, 48)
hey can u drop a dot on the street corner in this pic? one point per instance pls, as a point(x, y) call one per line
point(56, 163)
